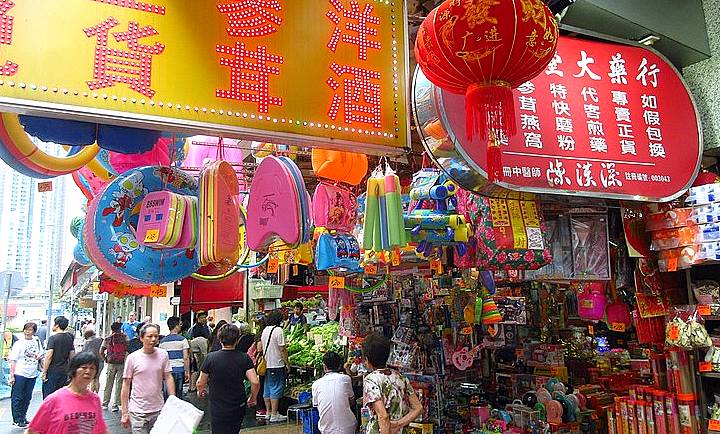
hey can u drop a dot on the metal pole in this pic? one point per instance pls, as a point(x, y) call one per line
point(8, 279)
point(49, 312)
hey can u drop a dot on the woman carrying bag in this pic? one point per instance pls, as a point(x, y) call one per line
point(272, 362)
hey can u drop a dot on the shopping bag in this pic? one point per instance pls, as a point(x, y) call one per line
point(177, 417)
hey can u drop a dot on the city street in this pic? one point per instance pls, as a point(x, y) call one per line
point(113, 419)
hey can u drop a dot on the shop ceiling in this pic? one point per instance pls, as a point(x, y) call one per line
point(680, 24)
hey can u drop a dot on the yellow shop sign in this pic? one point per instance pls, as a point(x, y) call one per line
point(328, 72)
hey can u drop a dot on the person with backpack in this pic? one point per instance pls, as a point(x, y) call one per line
point(114, 350)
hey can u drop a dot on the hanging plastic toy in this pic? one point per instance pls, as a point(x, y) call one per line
point(383, 228)
point(433, 220)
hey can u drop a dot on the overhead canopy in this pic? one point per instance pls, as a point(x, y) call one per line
point(200, 295)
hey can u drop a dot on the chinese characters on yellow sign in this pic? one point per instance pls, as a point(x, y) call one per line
point(331, 72)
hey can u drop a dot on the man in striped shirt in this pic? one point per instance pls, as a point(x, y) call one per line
point(178, 350)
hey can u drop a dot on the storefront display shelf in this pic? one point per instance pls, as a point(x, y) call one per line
point(710, 374)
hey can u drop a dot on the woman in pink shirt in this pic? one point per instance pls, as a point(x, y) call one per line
point(74, 408)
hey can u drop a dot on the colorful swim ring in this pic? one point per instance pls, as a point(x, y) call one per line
point(20, 153)
point(109, 231)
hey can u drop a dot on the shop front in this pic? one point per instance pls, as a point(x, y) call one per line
point(549, 271)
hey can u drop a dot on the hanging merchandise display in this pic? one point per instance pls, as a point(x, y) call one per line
point(517, 46)
point(507, 233)
point(110, 234)
point(219, 215)
point(278, 206)
point(383, 228)
point(338, 166)
point(432, 219)
point(334, 208)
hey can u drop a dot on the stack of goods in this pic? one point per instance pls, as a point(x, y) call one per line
point(687, 236)
point(685, 329)
point(219, 214)
point(674, 236)
point(278, 206)
point(168, 221)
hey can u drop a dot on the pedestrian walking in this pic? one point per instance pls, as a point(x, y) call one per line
point(387, 393)
point(113, 351)
point(92, 344)
point(199, 350)
point(42, 332)
point(272, 348)
point(130, 326)
point(178, 350)
point(226, 371)
point(60, 349)
point(73, 409)
point(135, 343)
point(200, 328)
point(214, 341)
point(145, 370)
point(333, 396)
point(25, 356)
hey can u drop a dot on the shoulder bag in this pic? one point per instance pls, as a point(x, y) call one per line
point(261, 366)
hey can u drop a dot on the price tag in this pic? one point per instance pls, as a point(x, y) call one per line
point(273, 265)
point(704, 310)
point(395, 257)
point(436, 266)
point(705, 366)
point(714, 425)
point(674, 333)
point(371, 269)
point(158, 291)
point(152, 236)
point(337, 282)
point(618, 327)
point(318, 340)
point(466, 331)
point(672, 264)
point(591, 330)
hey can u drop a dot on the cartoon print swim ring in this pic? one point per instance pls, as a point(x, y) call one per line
point(109, 230)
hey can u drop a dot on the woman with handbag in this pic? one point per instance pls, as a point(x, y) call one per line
point(272, 362)
point(25, 357)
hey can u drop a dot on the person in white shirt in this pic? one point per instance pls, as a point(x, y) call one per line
point(272, 346)
point(333, 396)
point(24, 357)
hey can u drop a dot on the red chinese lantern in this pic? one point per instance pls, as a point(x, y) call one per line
point(483, 49)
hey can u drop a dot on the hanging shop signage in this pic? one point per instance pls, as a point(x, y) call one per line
point(330, 72)
point(603, 120)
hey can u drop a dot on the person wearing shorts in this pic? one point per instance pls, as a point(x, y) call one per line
point(272, 346)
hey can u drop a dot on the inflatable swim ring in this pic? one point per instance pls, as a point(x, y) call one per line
point(109, 231)
point(20, 153)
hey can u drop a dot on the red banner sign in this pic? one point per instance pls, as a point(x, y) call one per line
point(604, 119)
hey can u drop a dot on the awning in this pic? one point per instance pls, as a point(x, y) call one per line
point(200, 295)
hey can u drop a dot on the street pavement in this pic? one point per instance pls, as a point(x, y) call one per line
point(112, 419)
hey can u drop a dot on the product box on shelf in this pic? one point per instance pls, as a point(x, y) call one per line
point(419, 428)
point(703, 194)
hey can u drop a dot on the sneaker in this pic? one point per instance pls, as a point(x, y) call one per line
point(114, 409)
point(261, 414)
point(278, 418)
point(21, 424)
